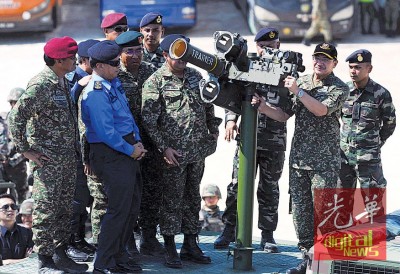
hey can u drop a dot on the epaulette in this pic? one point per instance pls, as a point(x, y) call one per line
point(70, 76)
point(97, 85)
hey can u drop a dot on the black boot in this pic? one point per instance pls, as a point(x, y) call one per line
point(190, 251)
point(172, 259)
point(64, 263)
point(79, 243)
point(131, 247)
point(76, 255)
point(268, 243)
point(227, 236)
point(149, 245)
point(301, 268)
point(47, 266)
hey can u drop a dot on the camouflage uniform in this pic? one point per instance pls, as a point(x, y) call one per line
point(44, 119)
point(175, 116)
point(150, 167)
point(271, 146)
point(391, 16)
point(314, 157)
point(96, 189)
point(320, 22)
point(211, 219)
point(14, 169)
point(156, 58)
point(369, 119)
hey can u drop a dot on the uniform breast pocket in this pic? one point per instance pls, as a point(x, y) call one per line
point(173, 98)
point(347, 109)
point(369, 111)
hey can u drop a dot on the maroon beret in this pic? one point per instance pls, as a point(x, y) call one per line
point(114, 19)
point(61, 47)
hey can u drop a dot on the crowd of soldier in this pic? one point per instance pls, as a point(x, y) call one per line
point(133, 119)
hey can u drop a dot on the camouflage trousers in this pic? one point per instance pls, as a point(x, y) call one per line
point(391, 14)
point(99, 205)
point(18, 175)
point(370, 175)
point(152, 192)
point(319, 26)
point(301, 185)
point(181, 199)
point(53, 192)
point(271, 166)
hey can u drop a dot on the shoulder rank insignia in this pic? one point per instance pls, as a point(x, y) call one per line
point(97, 85)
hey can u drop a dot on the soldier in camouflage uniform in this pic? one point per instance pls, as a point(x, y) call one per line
point(319, 23)
point(271, 146)
point(13, 163)
point(152, 29)
point(113, 25)
point(369, 119)
point(44, 128)
point(314, 157)
point(391, 17)
point(80, 249)
point(185, 130)
point(132, 75)
point(210, 216)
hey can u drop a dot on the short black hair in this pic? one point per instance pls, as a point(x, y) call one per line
point(48, 60)
point(9, 196)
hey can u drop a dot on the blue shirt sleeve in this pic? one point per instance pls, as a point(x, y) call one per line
point(102, 122)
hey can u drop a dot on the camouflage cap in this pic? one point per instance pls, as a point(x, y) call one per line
point(14, 94)
point(26, 207)
point(211, 190)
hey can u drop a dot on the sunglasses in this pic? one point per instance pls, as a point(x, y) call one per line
point(114, 63)
point(120, 28)
point(133, 51)
point(7, 206)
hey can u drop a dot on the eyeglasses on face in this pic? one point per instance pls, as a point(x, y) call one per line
point(321, 59)
point(7, 206)
point(113, 63)
point(120, 28)
point(133, 51)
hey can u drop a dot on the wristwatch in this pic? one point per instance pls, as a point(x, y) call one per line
point(300, 93)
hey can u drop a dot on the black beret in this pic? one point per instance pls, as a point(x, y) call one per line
point(129, 39)
point(169, 39)
point(360, 56)
point(84, 46)
point(267, 34)
point(151, 18)
point(326, 49)
point(104, 51)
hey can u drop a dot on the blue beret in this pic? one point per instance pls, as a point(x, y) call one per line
point(360, 56)
point(104, 51)
point(129, 39)
point(167, 41)
point(151, 18)
point(84, 46)
point(267, 34)
point(114, 19)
